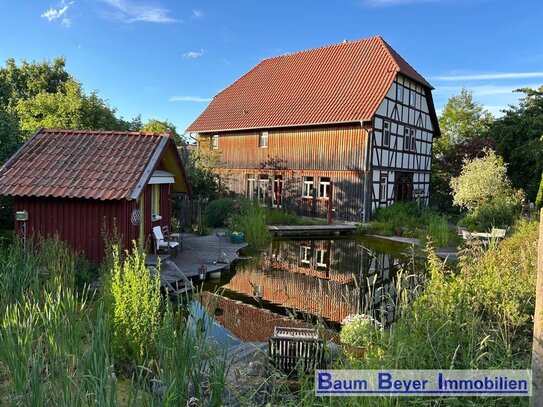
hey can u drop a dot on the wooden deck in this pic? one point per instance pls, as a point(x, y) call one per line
point(312, 230)
point(213, 251)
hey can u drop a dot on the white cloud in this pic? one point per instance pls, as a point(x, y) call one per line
point(490, 76)
point(197, 14)
point(130, 12)
point(59, 13)
point(189, 99)
point(193, 54)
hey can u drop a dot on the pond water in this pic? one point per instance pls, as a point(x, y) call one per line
point(301, 282)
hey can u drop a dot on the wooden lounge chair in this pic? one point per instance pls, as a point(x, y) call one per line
point(162, 244)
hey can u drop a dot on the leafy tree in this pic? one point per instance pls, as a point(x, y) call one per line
point(9, 135)
point(519, 140)
point(539, 198)
point(157, 126)
point(206, 172)
point(481, 180)
point(462, 119)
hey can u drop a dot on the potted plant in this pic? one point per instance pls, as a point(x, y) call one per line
point(237, 237)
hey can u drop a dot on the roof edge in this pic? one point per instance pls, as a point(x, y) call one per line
point(15, 155)
point(148, 171)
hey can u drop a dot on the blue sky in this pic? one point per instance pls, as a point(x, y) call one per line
point(166, 59)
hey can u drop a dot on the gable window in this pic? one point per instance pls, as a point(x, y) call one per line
point(386, 133)
point(307, 191)
point(215, 142)
point(324, 187)
point(407, 140)
point(263, 139)
point(412, 97)
point(383, 187)
point(399, 92)
point(413, 140)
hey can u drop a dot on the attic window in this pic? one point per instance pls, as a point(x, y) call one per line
point(399, 92)
point(215, 142)
point(263, 139)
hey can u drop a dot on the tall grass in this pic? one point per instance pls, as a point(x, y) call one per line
point(252, 223)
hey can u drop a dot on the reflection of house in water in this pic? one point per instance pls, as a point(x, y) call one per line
point(330, 279)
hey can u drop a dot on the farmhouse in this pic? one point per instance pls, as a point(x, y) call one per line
point(76, 183)
point(352, 123)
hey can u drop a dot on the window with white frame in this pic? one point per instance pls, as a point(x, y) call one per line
point(321, 258)
point(413, 140)
point(407, 139)
point(309, 184)
point(386, 133)
point(263, 139)
point(251, 192)
point(263, 189)
point(305, 255)
point(324, 187)
point(383, 187)
point(399, 92)
point(215, 142)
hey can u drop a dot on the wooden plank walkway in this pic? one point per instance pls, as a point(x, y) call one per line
point(312, 230)
point(212, 251)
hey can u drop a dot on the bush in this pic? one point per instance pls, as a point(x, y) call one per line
point(360, 330)
point(217, 212)
point(252, 223)
point(136, 302)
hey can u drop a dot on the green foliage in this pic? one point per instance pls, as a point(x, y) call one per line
point(499, 212)
point(360, 330)
point(518, 135)
point(217, 213)
point(158, 126)
point(205, 170)
point(539, 197)
point(251, 222)
point(412, 220)
point(462, 119)
point(136, 307)
point(481, 180)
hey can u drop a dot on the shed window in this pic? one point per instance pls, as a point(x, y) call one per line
point(263, 139)
point(155, 201)
point(399, 92)
point(308, 186)
point(386, 133)
point(383, 187)
point(324, 187)
point(215, 142)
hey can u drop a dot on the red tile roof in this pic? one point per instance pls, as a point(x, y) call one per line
point(334, 84)
point(82, 164)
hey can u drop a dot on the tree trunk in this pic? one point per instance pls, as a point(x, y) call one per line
point(537, 354)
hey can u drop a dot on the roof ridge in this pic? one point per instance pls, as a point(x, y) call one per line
point(117, 132)
point(343, 43)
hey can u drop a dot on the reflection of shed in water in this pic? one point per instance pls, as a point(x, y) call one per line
point(331, 279)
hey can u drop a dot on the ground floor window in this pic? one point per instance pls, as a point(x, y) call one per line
point(322, 258)
point(383, 187)
point(309, 184)
point(251, 191)
point(305, 255)
point(324, 187)
point(263, 189)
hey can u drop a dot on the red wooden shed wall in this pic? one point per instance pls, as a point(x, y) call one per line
point(78, 221)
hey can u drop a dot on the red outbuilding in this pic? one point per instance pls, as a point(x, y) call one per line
point(76, 182)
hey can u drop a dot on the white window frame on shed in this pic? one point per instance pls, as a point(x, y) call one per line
point(215, 142)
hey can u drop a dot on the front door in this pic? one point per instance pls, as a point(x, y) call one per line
point(403, 186)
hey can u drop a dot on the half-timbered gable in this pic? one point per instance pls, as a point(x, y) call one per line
point(348, 127)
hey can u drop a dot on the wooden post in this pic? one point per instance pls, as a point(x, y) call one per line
point(537, 348)
point(330, 202)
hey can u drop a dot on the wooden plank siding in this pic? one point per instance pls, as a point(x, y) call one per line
point(337, 152)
